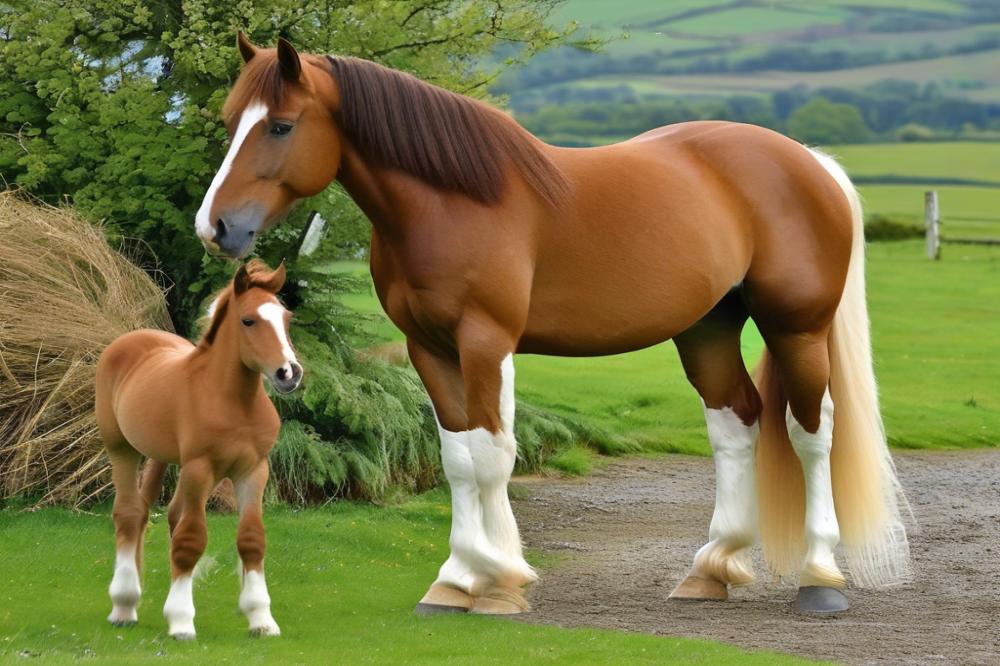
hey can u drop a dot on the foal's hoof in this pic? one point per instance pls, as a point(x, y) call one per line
point(444, 599)
point(500, 601)
point(821, 600)
point(695, 588)
point(123, 623)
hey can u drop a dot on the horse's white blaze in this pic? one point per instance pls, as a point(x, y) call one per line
point(179, 607)
point(252, 115)
point(124, 589)
point(255, 603)
point(274, 314)
point(735, 516)
point(822, 532)
point(485, 544)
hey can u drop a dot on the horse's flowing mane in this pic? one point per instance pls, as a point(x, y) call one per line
point(448, 140)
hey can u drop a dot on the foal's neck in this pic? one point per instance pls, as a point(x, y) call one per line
point(224, 368)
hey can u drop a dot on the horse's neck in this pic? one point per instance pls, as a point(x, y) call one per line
point(223, 368)
point(385, 196)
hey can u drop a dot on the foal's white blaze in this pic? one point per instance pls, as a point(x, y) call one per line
point(274, 314)
point(124, 590)
point(822, 530)
point(255, 603)
point(252, 115)
point(179, 608)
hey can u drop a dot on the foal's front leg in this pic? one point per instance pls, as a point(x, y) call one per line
point(187, 544)
point(255, 602)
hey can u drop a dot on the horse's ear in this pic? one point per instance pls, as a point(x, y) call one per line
point(241, 281)
point(276, 280)
point(247, 49)
point(288, 58)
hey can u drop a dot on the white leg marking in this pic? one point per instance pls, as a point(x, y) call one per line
point(822, 531)
point(485, 544)
point(179, 608)
point(255, 603)
point(734, 521)
point(274, 314)
point(125, 589)
point(507, 393)
point(252, 115)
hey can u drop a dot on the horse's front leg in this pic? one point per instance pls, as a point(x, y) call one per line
point(255, 602)
point(473, 396)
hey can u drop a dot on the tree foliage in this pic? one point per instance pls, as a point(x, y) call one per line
point(826, 123)
point(113, 106)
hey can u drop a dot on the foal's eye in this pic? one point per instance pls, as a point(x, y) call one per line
point(247, 322)
point(280, 129)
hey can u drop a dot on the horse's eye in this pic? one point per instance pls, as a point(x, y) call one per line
point(280, 129)
point(247, 322)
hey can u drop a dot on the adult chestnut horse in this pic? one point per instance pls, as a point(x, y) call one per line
point(487, 242)
point(202, 407)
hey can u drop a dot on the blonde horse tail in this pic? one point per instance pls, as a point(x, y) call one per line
point(151, 485)
point(867, 493)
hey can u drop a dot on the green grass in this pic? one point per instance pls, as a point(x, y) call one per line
point(965, 211)
point(575, 461)
point(343, 580)
point(952, 159)
point(937, 360)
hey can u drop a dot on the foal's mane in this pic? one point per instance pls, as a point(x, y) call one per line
point(396, 120)
point(260, 275)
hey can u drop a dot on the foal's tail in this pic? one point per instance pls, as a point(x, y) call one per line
point(866, 491)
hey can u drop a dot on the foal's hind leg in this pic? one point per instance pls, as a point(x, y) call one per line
point(187, 543)
point(710, 353)
point(255, 602)
point(130, 514)
point(804, 365)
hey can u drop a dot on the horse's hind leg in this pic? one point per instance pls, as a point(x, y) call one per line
point(710, 353)
point(255, 602)
point(803, 363)
point(130, 514)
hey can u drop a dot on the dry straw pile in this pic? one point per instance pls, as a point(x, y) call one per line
point(64, 295)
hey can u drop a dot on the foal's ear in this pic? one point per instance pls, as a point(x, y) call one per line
point(247, 49)
point(276, 280)
point(241, 281)
point(288, 59)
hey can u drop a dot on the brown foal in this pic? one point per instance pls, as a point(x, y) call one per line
point(204, 408)
point(487, 242)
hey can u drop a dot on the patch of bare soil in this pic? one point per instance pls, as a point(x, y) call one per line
point(626, 536)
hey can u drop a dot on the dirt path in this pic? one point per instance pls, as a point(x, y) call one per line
point(626, 535)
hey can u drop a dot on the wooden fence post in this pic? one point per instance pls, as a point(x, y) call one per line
point(932, 221)
point(312, 235)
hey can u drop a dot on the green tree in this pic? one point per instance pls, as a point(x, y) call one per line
point(113, 106)
point(821, 121)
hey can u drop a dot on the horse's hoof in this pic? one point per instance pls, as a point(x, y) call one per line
point(444, 599)
point(183, 636)
point(500, 601)
point(265, 631)
point(123, 623)
point(821, 600)
point(695, 588)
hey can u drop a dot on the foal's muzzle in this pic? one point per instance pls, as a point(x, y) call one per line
point(287, 378)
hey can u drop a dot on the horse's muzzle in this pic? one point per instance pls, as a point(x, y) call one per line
point(286, 381)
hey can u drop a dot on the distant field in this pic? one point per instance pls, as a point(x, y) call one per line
point(937, 362)
point(684, 32)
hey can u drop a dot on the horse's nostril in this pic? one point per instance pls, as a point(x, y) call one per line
point(220, 228)
point(250, 233)
point(281, 374)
